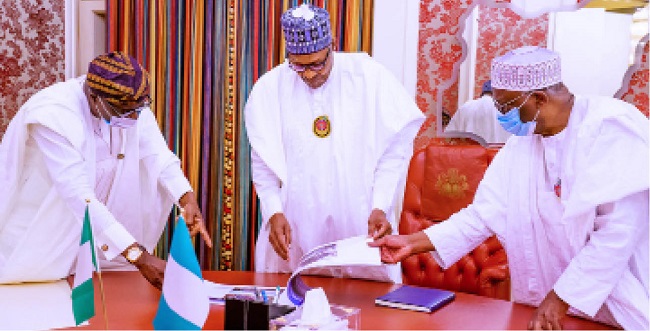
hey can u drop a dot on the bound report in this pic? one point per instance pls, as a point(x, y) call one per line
point(416, 298)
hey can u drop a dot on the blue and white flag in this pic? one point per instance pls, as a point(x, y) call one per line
point(184, 304)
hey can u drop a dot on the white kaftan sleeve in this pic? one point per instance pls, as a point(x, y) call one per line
point(594, 272)
point(398, 121)
point(390, 169)
point(174, 181)
point(153, 146)
point(69, 175)
point(267, 186)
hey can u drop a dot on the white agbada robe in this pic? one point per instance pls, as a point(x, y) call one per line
point(327, 187)
point(479, 116)
point(53, 157)
point(590, 245)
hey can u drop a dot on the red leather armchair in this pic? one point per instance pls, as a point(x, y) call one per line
point(442, 179)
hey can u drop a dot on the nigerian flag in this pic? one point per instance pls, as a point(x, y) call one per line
point(83, 293)
point(183, 305)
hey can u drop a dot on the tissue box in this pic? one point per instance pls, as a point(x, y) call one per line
point(346, 318)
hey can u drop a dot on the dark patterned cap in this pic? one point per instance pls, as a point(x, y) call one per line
point(118, 78)
point(306, 29)
point(487, 87)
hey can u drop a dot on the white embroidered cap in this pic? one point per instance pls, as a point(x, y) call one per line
point(526, 68)
point(306, 29)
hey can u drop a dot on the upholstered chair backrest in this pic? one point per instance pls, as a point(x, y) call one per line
point(442, 179)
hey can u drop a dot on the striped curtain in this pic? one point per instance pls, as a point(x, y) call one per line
point(203, 57)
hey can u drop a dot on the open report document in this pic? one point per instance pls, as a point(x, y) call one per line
point(353, 251)
point(36, 306)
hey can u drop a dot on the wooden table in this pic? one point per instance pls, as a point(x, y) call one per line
point(131, 303)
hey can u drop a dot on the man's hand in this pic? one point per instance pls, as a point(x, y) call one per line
point(193, 218)
point(152, 269)
point(378, 225)
point(280, 235)
point(549, 314)
point(395, 248)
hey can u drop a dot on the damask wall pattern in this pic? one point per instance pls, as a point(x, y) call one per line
point(438, 54)
point(637, 92)
point(31, 51)
point(501, 30)
point(439, 50)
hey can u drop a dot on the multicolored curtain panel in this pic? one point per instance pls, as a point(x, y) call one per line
point(203, 57)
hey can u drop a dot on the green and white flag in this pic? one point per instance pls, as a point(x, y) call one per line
point(83, 292)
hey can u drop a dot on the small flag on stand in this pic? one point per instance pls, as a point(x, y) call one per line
point(184, 304)
point(83, 292)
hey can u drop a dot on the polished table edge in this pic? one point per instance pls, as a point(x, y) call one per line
point(131, 303)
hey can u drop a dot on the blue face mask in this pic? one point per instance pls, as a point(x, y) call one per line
point(511, 121)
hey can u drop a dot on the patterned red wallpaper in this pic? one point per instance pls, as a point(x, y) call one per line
point(637, 90)
point(439, 51)
point(501, 30)
point(31, 51)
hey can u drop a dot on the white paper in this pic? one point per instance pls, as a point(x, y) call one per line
point(216, 290)
point(36, 306)
point(353, 251)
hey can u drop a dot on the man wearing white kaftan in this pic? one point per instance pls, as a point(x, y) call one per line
point(327, 185)
point(480, 118)
point(569, 203)
point(590, 245)
point(55, 156)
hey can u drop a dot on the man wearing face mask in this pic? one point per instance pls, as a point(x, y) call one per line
point(567, 196)
point(89, 141)
point(331, 136)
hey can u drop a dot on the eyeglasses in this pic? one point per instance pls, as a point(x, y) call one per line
point(129, 112)
point(501, 107)
point(318, 66)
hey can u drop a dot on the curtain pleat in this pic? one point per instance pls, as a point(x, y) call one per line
point(203, 57)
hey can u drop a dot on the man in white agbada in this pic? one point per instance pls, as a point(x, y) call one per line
point(331, 136)
point(479, 117)
point(567, 196)
point(91, 138)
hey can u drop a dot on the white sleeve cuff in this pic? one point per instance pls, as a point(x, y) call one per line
point(113, 241)
point(270, 206)
point(581, 291)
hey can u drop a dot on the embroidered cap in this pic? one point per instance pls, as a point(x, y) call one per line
point(118, 78)
point(526, 68)
point(306, 29)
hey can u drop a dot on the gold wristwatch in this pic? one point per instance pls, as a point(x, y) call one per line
point(133, 253)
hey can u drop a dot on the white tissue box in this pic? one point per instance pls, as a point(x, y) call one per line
point(345, 318)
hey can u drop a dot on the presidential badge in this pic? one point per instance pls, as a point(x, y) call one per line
point(322, 127)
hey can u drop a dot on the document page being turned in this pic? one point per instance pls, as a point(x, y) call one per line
point(352, 252)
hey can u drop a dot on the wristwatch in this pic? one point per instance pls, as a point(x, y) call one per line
point(133, 253)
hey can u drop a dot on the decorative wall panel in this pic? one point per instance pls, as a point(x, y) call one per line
point(501, 30)
point(636, 91)
point(439, 52)
point(31, 51)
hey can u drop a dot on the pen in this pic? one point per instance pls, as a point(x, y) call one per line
point(264, 296)
point(277, 294)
